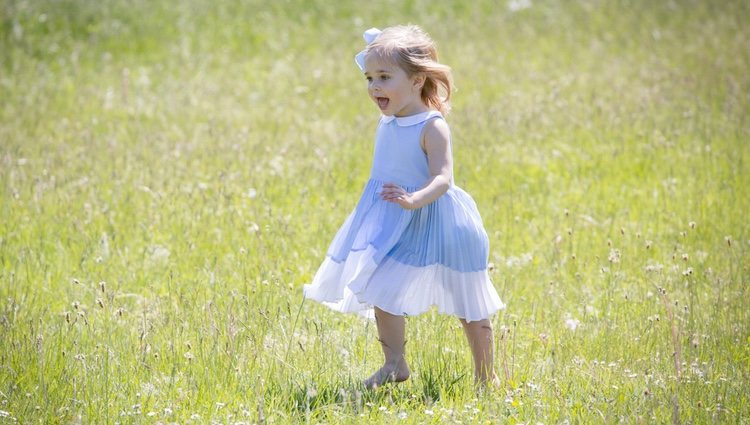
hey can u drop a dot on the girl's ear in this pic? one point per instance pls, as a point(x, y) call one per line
point(419, 80)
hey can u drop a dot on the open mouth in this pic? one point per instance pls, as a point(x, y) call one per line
point(382, 102)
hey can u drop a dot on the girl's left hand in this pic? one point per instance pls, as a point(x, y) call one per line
point(394, 193)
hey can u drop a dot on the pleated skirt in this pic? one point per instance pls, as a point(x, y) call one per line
point(406, 261)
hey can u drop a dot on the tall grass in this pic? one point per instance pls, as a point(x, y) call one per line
point(172, 173)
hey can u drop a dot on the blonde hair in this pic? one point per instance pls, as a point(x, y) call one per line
point(412, 49)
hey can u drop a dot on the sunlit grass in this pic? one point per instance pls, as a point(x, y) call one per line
point(172, 173)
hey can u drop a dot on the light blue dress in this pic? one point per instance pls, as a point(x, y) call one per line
point(405, 261)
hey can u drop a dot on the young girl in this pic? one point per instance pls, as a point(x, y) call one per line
point(414, 239)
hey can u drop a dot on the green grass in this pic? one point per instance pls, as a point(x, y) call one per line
point(172, 173)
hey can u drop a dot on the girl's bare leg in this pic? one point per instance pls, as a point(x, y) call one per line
point(479, 334)
point(391, 332)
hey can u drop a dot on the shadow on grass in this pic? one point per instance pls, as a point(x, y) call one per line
point(423, 389)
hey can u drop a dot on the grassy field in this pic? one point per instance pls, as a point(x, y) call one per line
point(171, 174)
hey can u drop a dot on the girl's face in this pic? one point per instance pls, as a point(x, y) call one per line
point(391, 89)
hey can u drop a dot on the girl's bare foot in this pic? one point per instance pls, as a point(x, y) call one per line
point(490, 382)
point(388, 373)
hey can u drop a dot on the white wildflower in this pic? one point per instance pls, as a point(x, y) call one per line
point(614, 256)
point(158, 254)
point(519, 261)
point(572, 323)
point(104, 246)
point(516, 5)
point(654, 267)
point(149, 389)
point(277, 165)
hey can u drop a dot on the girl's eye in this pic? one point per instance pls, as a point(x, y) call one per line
point(384, 77)
point(369, 79)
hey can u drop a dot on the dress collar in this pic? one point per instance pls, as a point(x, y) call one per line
point(411, 119)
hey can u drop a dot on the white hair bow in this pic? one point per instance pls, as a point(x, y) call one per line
point(369, 36)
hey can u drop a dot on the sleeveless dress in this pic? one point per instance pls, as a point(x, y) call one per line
point(405, 261)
